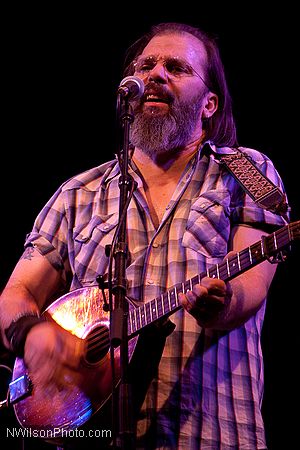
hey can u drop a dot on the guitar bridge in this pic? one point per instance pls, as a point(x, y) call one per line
point(19, 388)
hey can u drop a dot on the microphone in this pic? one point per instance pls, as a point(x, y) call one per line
point(131, 88)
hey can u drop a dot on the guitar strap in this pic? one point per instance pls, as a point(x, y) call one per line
point(260, 188)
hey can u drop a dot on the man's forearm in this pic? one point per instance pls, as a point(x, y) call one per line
point(248, 293)
point(15, 301)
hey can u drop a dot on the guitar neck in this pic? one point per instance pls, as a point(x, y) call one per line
point(167, 303)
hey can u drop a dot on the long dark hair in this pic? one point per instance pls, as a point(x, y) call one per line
point(220, 128)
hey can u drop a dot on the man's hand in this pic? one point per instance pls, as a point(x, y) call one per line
point(52, 356)
point(207, 300)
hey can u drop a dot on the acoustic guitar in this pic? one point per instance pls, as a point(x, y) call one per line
point(82, 313)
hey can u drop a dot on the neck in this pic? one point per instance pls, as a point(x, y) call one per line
point(171, 163)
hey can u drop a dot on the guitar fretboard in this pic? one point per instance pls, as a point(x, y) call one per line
point(168, 302)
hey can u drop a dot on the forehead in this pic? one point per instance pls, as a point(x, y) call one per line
point(183, 45)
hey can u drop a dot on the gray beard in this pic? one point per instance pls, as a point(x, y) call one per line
point(157, 134)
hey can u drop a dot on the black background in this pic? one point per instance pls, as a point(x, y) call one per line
point(61, 67)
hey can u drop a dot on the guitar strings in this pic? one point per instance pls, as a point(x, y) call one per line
point(243, 257)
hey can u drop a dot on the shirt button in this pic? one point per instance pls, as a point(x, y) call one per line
point(155, 245)
point(105, 227)
point(150, 281)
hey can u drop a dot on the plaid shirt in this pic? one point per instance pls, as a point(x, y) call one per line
point(209, 387)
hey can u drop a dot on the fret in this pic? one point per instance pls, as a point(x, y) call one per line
point(218, 273)
point(207, 272)
point(148, 313)
point(191, 285)
point(238, 260)
point(275, 241)
point(223, 273)
point(250, 255)
point(176, 296)
point(150, 310)
point(162, 302)
point(262, 248)
point(137, 317)
point(169, 299)
point(140, 317)
point(134, 321)
point(183, 288)
point(227, 266)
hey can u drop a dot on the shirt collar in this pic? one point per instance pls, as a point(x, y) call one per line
point(115, 172)
point(207, 148)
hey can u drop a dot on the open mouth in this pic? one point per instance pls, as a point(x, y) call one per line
point(153, 98)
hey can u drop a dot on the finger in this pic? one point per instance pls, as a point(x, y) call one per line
point(186, 302)
point(189, 299)
point(213, 283)
point(230, 254)
point(208, 281)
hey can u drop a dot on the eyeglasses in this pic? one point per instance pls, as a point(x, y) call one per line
point(175, 67)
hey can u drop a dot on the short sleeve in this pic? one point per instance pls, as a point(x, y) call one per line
point(50, 231)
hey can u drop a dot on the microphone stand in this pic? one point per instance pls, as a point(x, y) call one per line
point(119, 314)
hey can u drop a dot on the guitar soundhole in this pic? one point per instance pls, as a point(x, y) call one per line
point(97, 344)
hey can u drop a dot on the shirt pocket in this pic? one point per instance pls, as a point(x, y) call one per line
point(208, 224)
point(90, 241)
point(101, 225)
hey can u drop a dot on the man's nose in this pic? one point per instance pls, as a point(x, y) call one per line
point(158, 73)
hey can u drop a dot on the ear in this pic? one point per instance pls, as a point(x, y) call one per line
point(210, 105)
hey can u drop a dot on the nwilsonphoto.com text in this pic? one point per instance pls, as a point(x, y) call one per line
point(56, 433)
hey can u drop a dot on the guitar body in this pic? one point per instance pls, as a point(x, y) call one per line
point(52, 415)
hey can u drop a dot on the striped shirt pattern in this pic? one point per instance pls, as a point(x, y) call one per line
point(209, 386)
